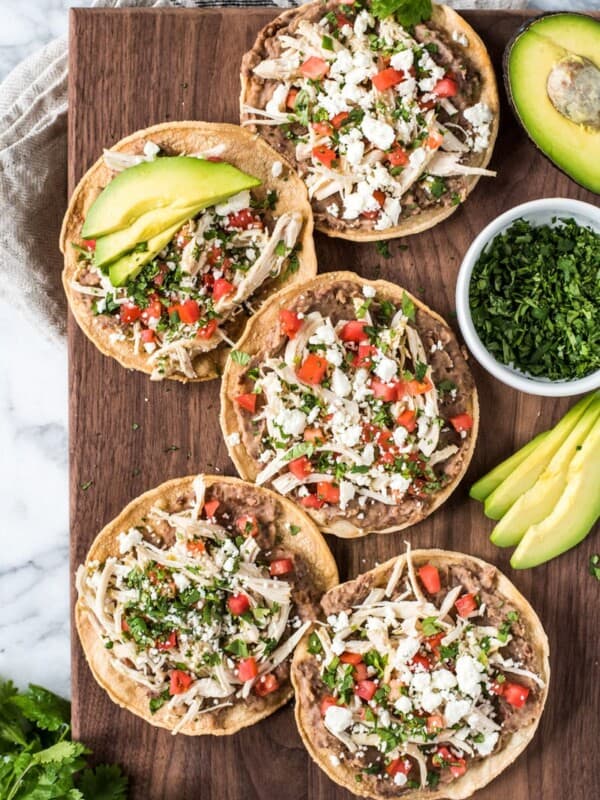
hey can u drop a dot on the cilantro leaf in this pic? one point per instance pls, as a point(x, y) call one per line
point(106, 782)
point(239, 357)
point(406, 12)
point(47, 710)
point(408, 307)
point(595, 566)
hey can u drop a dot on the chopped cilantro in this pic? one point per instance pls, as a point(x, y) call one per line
point(408, 307)
point(383, 249)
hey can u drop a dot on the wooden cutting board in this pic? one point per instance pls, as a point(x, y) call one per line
point(133, 68)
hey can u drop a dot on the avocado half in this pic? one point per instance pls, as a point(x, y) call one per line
point(559, 53)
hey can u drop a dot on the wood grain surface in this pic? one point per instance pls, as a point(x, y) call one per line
point(133, 68)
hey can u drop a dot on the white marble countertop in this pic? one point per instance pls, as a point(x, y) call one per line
point(34, 569)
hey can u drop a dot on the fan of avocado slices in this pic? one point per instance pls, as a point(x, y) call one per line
point(546, 497)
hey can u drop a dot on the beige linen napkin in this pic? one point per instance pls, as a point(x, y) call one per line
point(33, 171)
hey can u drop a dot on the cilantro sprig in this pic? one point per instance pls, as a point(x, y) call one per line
point(406, 12)
point(37, 757)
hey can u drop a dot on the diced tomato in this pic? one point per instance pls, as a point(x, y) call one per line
point(324, 154)
point(398, 157)
point(354, 331)
point(322, 128)
point(434, 140)
point(313, 369)
point(124, 626)
point(462, 422)
point(221, 288)
point(442, 757)
point(159, 279)
point(244, 219)
point(383, 391)
point(266, 684)
point(341, 20)
point(152, 311)
point(89, 244)
point(515, 694)
point(360, 672)
point(365, 356)
point(189, 311)
point(315, 435)
point(238, 604)
point(435, 722)
point(180, 682)
point(328, 701)
point(208, 279)
point(214, 255)
point(466, 604)
point(147, 336)
point(301, 467)
point(458, 767)
point(402, 765)
point(290, 322)
point(434, 642)
point(339, 119)
point(408, 420)
point(413, 388)
point(210, 508)
point(430, 578)
point(365, 689)
point(387, 78)
point(350, 658)
point(380, 197)
point(167, 644)
point(247, 668)
point(421, 660)
point(247, 401)
point(446, 87)
point(195, 546)
point(247, 525)
point(129, 312)
point(328, 492)
point(312, 501)
point(290, 100)
point(314, 68)
point(281, 566)
point(385, 440)
point(206, 331)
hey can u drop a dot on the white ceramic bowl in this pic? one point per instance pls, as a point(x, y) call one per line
point(538, 212)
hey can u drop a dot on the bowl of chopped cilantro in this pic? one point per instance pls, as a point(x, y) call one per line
point(528, 297)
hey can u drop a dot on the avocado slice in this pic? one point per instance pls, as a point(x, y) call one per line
point(130, 265)
point(525, 475)
point(536, 504)
point(146, 227)
point(573, 516)
point(487, 484)
point(558, 56)
point(169, 182)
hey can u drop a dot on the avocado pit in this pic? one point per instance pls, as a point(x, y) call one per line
point(573, 87)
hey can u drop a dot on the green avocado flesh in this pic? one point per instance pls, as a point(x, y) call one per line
point(537, 503)
point(145, 228)
point(526, 474)
point(129, 265)
point(487, 484)
point(574, 514)
point(172, 183)
point(530, 60)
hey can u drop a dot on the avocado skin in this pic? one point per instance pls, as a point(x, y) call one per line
point(589, 181)
point(573, 516)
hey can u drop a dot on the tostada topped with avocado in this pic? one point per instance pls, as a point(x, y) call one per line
point(175, 237)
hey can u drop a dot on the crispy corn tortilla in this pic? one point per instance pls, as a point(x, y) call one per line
point(261, 335)
point(245, 151)
point(307, 543)
point(444, 18)
point(480, 772)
